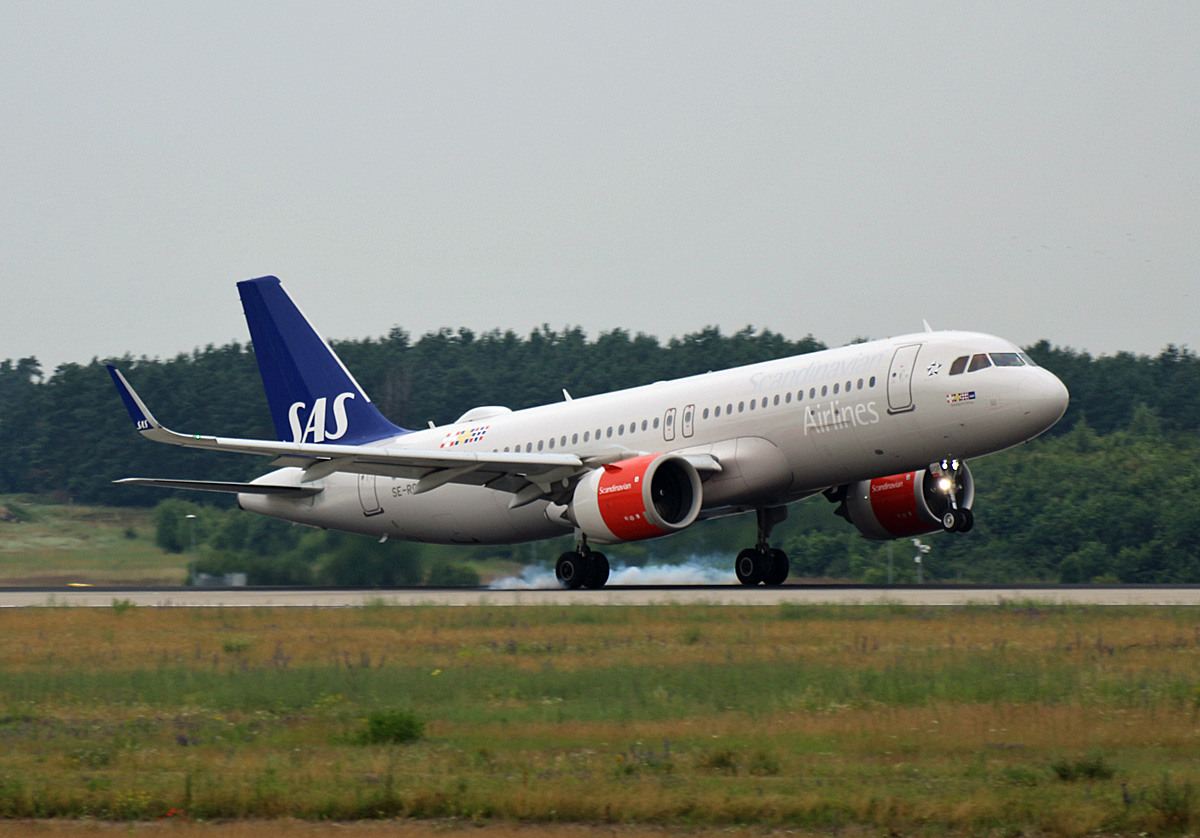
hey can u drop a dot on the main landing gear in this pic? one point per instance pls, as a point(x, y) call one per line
point(582, 568)
point(763, 563)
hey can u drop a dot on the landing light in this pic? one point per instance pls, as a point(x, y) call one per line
point(944, 484)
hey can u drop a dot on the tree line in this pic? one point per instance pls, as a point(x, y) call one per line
point(1106, 494)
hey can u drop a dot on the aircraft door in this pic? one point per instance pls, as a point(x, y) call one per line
point(367, 495)
point(669, 425)
point(689, 414)
point(899, 386)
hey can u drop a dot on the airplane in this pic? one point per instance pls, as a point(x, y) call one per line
point(882, 428)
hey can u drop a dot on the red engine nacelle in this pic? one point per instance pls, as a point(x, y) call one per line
point(642, 497)
point(905, 504)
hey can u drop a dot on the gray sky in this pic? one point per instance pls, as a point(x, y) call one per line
point(1031, 170)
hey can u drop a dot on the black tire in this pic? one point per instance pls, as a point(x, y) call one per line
point(966, 520)
point(779, 568)
point(598, 575)
point(571, 570)
point(750, 566)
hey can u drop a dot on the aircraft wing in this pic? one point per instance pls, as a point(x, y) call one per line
point(223, 486)
point(527, 476)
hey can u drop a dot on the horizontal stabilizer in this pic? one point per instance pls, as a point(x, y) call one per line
point(221, 486)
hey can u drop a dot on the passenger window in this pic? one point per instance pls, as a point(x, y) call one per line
point(529, 448)
point(563, 441)
point(788, 398)
point(587, 435)
point(812, 392)
point(574, 439)
point(741, 407)
point(705, 413)
point(551, 444)
point(610, 431)
point(872, 382)
point(717, 412)
point(959, 366)
point(800, 396)
point(860, 384)
point(753, 403)
point(644, 424)
point(825, 391)
point(836, 387)
point(1007, 359)
point(539, 445)
point(655, 424)
point(979, 362)
point(729, 408)
point(620, 430)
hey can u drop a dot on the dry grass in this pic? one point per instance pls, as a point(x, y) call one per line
point(370, 829)
point(946, 721)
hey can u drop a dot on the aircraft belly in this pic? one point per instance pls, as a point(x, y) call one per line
point(753, 470)
point(450, 514)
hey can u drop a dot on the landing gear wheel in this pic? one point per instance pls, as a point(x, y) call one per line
point(750, 567)
point(571, 570)
point(950, 520)
point(779, 568)
point(966, 520)
point(598, 572)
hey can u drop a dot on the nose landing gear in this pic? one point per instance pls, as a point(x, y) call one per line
point(763, 564)
point(956, 517)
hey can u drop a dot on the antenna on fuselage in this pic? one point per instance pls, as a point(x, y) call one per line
point(928, 328)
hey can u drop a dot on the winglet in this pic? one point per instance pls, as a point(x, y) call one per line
point(142, 418)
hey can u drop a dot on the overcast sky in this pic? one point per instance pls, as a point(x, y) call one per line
point(1030, 170)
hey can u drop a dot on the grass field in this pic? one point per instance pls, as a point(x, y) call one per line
point(980, 720)
point(57, 544)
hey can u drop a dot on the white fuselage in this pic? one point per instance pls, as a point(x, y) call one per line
point(781, 430)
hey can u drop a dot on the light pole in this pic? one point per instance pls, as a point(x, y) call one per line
point(191, 519)
point(922, 549)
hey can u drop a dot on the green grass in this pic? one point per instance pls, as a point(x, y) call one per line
point(57, 544)
point(1061, 721)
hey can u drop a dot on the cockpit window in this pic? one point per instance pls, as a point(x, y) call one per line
point(1007, 359)
point(1027, 359)
point(979, 362)
point(960, 365)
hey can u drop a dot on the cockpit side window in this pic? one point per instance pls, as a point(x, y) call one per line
point(960, 365)
point(1007, 359)
point(1027, 359)
point(979, 362)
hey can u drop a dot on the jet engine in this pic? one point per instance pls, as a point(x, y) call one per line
point(913, 503)
point(642, 497)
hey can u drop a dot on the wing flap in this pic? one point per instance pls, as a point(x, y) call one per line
point(223, 486)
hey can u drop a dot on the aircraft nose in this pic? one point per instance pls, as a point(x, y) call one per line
point(1044, 399)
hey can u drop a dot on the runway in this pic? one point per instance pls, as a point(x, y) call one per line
point(911, 595)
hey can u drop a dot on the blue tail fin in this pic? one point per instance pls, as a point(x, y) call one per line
point(313, 397)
